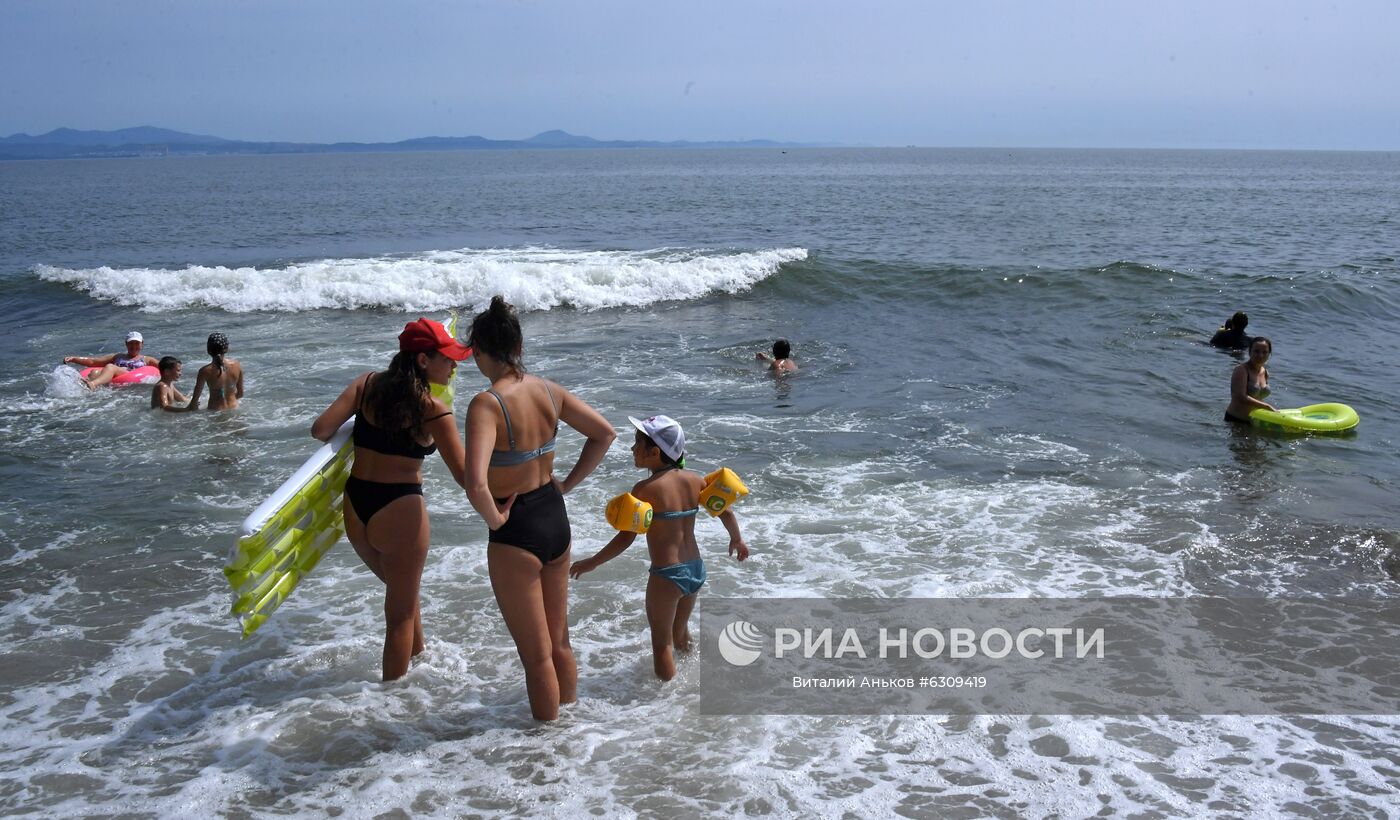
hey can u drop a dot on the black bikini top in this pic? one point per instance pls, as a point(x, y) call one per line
point(370, 436)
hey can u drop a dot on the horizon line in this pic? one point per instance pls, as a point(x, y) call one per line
point(662, 143)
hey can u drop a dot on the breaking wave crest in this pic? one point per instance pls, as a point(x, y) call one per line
point(530, 278)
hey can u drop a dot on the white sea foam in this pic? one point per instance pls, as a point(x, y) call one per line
point(530, 278)
point(180, 718)
point(63, 382)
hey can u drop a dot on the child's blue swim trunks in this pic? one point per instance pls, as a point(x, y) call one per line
point(689, 576)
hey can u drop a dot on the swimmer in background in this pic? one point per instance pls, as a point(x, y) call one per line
point(677, 570)
point(115, 364)
point(224, 377)
point(165, 393)
point(781, 360)
point(1249, 383)
point(1231, 335)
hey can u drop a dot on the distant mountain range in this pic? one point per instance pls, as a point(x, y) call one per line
point(146, 141)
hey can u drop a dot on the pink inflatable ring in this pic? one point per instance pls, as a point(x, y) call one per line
point(141, 375)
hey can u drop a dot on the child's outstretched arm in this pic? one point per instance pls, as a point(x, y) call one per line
point(199, 381)
point(737, 547)
point(614, 548)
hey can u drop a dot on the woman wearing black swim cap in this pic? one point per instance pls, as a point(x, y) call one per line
point(223, 377)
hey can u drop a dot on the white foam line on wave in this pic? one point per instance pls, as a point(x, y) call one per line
point(530, 278)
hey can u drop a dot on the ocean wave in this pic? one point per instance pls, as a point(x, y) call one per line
point(530, 278)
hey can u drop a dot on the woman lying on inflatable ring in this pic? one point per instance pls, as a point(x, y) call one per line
point(103, 369)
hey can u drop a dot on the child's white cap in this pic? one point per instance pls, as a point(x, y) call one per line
point(665, 431)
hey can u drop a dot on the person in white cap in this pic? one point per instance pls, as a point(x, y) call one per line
point(114, 365)
point(677, 570)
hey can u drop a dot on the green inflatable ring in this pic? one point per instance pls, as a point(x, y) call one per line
point(1315, 418)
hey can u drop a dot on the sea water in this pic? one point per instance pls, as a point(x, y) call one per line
point(1004, 392)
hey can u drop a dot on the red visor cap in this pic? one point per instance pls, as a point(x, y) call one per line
point(425, 334)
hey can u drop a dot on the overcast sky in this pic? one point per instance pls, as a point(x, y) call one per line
point(1276, 74)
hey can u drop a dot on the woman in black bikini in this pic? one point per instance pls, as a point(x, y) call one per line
point(1249, 383)
point(511, 431)
point(398, 423)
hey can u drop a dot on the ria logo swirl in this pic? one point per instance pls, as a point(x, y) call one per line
point(740, 643)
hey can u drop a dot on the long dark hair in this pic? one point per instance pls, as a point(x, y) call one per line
point(397, 395)
point(496, 332)
point(217, 346)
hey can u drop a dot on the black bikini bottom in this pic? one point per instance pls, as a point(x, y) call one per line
point(1235, 419)
point(538, 524)
point(369, 497)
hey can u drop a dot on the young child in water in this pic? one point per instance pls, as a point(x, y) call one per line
point(677, 571)
point(223, 377)
point(165, 393)
point(781, 360)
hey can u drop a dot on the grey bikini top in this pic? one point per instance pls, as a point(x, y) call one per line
point(512, 457)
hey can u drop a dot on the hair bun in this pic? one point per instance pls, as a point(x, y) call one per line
point(496, 332)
